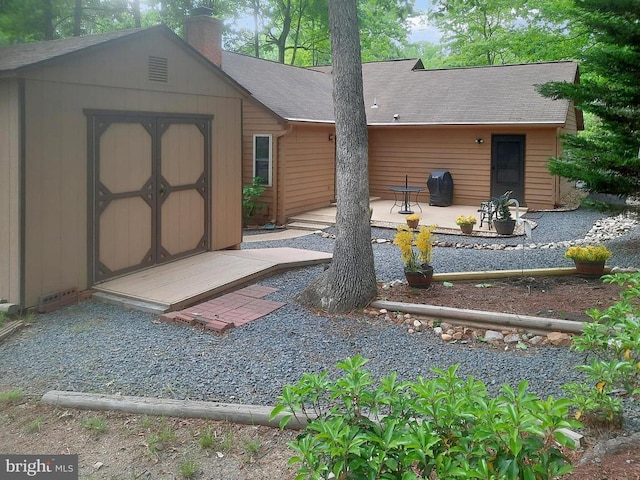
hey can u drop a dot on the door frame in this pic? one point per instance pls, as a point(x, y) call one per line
point(155, 123)
point(519, 190)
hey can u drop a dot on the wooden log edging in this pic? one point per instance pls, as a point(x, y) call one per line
point(462, 315)
point(230, 412)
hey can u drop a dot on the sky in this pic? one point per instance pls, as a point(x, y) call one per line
point(421, 31)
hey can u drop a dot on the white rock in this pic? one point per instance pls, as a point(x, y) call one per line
point(492, 336)
point(512, 338)
point(437, 330)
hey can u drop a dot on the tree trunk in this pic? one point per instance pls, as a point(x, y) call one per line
point(350, 281)
point(135, 9)
point(47, 9)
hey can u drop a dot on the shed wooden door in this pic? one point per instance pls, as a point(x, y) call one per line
point(150, 191)
point(507, 165)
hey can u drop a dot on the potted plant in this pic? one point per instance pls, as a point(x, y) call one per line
point(503, 223)
point(589, 259)
point(416, 249)
point(466, 223)
point(413, 220)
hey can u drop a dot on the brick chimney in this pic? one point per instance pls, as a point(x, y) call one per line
point(204, 33)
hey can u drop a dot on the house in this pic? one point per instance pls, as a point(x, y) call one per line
point(117, 152)
point(487, 126)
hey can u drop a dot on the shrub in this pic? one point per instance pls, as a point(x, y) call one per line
point(250, 195)
point(613, 340)
point(442, 428)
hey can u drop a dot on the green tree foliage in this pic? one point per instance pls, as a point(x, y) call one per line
point(610, 89)
point(489, 32)
point(297, 31)
point(24, 21)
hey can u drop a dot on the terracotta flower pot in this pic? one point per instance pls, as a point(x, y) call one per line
point(413, 223)
point(466, 228)
point(420, 279)
point(589, 269)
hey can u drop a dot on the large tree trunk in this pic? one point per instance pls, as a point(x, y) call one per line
point(350, 281)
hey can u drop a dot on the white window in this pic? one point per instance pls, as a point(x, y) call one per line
point(262, 156)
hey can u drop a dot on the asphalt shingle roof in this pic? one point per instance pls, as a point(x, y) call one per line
point(293, 93)
point(504, 94)
point(19, 56)
point(495, 95)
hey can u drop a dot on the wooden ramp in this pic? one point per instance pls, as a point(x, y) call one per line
point(179, 284)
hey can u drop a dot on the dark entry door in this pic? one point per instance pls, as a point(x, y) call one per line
point(149, 191)
point(507, 165)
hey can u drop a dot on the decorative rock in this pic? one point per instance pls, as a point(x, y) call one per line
point(492, 336)
point(383, 311)
point(446, 326)
point(512, 338)
point(457, 336)
point(559, 339)
point(411, 330)
point(437, 330)
point(536, 340)
point(446, 337)
point(417, 323)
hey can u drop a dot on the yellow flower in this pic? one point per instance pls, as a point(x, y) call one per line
point(466, 220)
point(600, 386)
point(588, 253)
point(415, 248)
point(412, 217)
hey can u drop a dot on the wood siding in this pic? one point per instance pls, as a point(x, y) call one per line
point(307, 168)
point(56, 152)
point(396, 152)
point(257, 120)
point(9, 192)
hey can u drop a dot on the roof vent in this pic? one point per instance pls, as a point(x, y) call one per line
point(158, 69)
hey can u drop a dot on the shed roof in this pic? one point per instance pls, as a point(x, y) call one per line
point(492, 95)
point(15, 57)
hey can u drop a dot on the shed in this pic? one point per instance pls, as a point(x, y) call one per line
point(118, 152)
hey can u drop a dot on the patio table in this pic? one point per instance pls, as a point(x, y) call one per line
point(405, 203)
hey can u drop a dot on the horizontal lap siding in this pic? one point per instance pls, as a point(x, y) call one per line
point(540, 185)
point(307, 168)
point(257, 120)
point(416, 152)
point(396, 152)
point(9, 192)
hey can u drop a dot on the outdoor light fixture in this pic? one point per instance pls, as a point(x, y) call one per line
point(396, 117)
point(479, 140)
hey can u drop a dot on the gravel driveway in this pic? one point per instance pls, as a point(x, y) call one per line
point(96, 347)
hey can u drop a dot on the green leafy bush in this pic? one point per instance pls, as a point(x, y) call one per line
point(441, 428)
point(250, 195)
point(612, 341)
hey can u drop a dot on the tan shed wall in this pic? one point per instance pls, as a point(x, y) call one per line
point(565, 186)
point(395, 152)
point(56, 153)
point(9, 192)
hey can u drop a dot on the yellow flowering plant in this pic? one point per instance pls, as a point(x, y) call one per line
point(416, 248)
point(466, 220)
point(412, 217)
point(588, 253)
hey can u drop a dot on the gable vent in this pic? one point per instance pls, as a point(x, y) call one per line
point(158, 69)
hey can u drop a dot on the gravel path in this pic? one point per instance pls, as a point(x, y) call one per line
point(95, 347)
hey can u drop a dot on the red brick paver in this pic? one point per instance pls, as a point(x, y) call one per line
point(227, 311)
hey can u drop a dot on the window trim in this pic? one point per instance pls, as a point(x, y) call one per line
point(270, 137)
